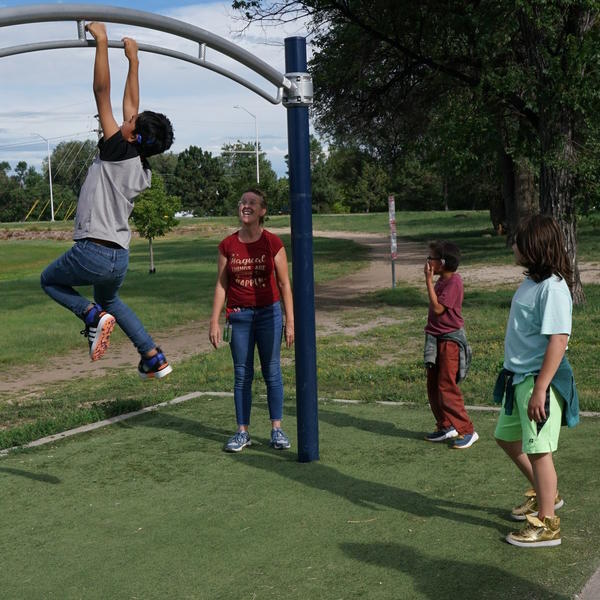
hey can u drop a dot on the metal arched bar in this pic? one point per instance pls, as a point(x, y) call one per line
point(39, 13)
point(295, 91)
point(201, 62)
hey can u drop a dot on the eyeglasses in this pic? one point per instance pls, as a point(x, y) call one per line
point(249, 203)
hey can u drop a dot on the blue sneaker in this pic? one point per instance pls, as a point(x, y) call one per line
point(279, 440)
point(154, 367)
point(440, 435)
point(98, 327)
point(465, 441)
point(238, 442)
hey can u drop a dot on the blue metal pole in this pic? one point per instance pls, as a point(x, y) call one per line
point(302, 265)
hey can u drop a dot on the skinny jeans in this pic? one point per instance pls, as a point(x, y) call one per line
point(260, 327)
point(88, 263)
point(445, 398)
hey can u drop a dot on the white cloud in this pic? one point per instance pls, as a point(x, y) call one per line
point(50, 92)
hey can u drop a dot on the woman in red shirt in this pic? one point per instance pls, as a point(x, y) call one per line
point(253, 277)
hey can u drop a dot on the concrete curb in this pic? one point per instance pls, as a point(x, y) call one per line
point(591, 591)
point(99, 424)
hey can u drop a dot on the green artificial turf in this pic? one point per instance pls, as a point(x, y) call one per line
point(152, 508)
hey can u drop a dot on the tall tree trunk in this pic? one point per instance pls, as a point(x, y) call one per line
point(556, 187)
point(526, 199)
point(523, 201)
point(507, 171)
point(445, 192)
point(497, 212)
point(518, 186)
point(152, 269)
point(555, 122)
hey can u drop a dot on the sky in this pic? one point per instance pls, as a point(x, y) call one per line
point(49, 94)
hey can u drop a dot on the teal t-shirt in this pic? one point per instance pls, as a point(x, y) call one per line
point(537, 311)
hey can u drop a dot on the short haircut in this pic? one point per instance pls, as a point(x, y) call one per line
point(543, 249)
point(154, 133)
point(448, 252)
point(260, 193)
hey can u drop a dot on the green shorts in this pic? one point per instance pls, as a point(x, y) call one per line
point(515, 427)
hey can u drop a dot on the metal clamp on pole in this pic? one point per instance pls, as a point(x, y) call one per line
point(81, 30)
point(300, 92)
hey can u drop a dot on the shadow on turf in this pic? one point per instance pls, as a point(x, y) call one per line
point(338, 419)
point(437, 578)
point(319, 476)
point(43, 477)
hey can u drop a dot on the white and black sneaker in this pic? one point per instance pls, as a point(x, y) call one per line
point(279, 440)
point(440, 435)
point(98, 326)
point(238, 441)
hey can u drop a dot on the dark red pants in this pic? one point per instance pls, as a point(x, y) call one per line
point(445, 397)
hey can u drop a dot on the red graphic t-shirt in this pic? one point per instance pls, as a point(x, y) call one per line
point(450, 294)
point(251, 270)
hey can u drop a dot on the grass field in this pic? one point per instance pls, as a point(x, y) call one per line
point(380, 363)
point(152, 508)
point(180, 291)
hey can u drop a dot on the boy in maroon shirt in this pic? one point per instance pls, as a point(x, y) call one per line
point(447, 353)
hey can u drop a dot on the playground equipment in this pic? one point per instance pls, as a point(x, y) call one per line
point(70, 211)
point(57, 210)
point(43, 210)
point(293, 90)
point(31, 210)
point(80, 13)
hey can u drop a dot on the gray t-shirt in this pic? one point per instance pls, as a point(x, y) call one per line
point(112, 183)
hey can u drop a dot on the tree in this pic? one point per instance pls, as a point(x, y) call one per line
point(358, 182)
point(154, 213)
point(381, 65)
point(327, 193)
point(239, 164)
point(20, 171)
point(70, 163)
point(32, 178)
point(19, 191)
point(201, 183)
point(461, 148)
point(165, 165)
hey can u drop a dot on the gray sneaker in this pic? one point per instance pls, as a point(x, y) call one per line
point(279, 440)
point(441, 435)
point(238, 442)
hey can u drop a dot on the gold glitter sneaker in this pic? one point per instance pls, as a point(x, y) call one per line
point(537, 533)
point(530, 507)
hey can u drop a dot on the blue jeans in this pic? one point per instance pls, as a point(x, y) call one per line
point(88, 263)
point(261, 327)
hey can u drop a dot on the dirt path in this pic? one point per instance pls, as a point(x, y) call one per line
point(330, 298)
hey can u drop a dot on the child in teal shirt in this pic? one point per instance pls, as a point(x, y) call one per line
point(536, 384)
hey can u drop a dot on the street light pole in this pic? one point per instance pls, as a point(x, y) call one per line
point(256, 138)
point(49, 175)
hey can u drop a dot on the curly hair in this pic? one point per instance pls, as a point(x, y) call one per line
point(542, 249)
point(448, 252)
point(154, 133)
